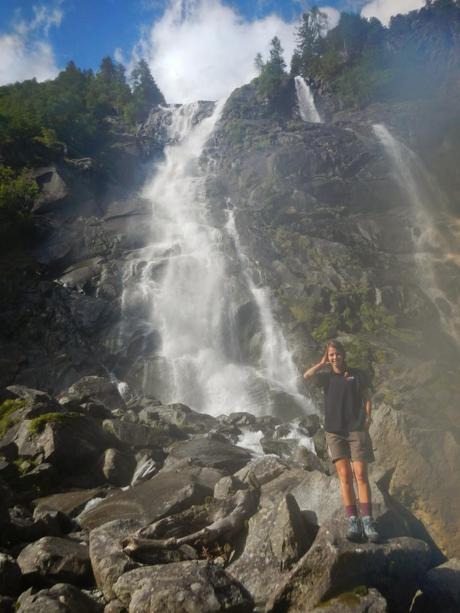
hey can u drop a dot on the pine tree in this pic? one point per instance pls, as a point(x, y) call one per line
point(145, 92)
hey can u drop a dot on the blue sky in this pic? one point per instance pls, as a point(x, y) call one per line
point(179, 38)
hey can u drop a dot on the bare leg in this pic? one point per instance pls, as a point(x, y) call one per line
point(343, 467)
point(364, 490)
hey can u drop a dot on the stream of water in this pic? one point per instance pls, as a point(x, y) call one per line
point(306, 102)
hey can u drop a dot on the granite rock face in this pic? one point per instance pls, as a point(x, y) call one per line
point(196, 587)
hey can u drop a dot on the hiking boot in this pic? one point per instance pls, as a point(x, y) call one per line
point(369, 529)
point(355, 529)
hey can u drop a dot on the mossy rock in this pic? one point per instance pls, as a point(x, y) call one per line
point(38, 424)
point(7, 409)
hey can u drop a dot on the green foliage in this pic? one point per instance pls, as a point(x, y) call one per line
point(18, 192)
point(7, 408)
point(376, 318)
point(272, 72)
point(145, 95)
point(37, 424)
point(362, 62)
point(68, 114)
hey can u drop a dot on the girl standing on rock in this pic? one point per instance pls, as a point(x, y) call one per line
point(347, 421)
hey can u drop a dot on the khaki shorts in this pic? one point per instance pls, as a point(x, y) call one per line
point(357, 446)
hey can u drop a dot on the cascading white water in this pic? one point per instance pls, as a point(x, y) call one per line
point(276, 359)
point(306, 102)
point(431, 247)
point(178, 290)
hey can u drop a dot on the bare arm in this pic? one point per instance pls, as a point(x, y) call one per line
point(314, 369)
point(367, 407)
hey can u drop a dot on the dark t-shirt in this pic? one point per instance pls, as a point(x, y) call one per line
point(343, 400)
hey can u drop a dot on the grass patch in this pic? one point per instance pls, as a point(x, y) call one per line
point(7, 408)
point(38, 424)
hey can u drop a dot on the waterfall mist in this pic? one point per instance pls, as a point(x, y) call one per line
point(433, 239)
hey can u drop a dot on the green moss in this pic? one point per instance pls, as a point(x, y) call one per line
point(37, 424)
point(7, 408)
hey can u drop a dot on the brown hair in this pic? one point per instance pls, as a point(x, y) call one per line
point(339, 347)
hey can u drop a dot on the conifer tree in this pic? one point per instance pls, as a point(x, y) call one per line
point(145, 92)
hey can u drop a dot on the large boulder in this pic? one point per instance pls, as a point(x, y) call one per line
point(166, 493)
point(117, 467)
point(181, 416)
point(108, 559)
point(334, 565)
point(195, 587)
point(440, 589)
point(61, 598)
point(423, 473)
point(211, 450)
point(277, 536)
point(318, 496)
point(70, 503)
point(157, 434)
point(94, 389)
point(68, 441)
point(52, 559)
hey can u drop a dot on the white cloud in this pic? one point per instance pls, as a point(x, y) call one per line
point(385, 9)
point(25, 51)
point(333, 16)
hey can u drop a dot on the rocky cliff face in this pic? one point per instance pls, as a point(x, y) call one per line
point(330, 228)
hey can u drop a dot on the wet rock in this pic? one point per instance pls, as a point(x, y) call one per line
point(310, 423)
point(157, 434)
point(108, 559)
point(117, 467)
point(52, 559)
point(94, 389)
point(281, 448)
point(240, 419)
point(61, 598)
point(195, 586)
point(359, 600)
point(440, 589)
point(10, 576)
point(183, 417)
point(277, 537)
point(334, 565)
point(166, 493)
point(213, 451)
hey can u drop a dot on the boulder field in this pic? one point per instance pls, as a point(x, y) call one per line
point(210, 526)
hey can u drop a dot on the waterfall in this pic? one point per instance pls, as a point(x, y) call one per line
point(306, 102)
point(276, 359)
point(180, 292)
point(431, 245)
